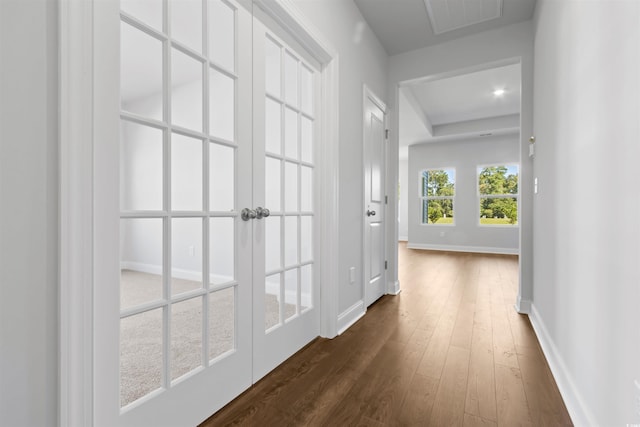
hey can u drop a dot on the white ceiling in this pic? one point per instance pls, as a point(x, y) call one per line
point(470, 96)
point(404, 25)
point(460, 106)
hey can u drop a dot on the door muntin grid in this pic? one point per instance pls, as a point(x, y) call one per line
point(177, 132)
point(289, 183)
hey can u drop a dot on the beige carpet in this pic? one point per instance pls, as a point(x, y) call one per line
point(141, 345)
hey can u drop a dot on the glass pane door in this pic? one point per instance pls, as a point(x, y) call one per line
point(285, 95)
point(182, 334)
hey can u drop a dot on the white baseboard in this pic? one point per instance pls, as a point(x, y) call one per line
point(274, 289)
point(178, 273)
point(454, 248)
point(141, 267)
point(394, 288)
point(578, 411)
point(350, 316)
point(403, 238)
point(271, 288)
point(523, 306)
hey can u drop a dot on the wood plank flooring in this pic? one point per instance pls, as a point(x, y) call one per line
point(448, 351)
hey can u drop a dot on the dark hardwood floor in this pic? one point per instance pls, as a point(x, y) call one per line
point(449, 350)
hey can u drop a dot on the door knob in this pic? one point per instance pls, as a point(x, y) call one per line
point(371, 213)
point(247, 214)
point(262, 212)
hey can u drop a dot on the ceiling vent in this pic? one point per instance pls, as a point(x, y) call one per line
point(449, 15)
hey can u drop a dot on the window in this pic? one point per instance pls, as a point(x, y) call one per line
point(498, 194)
point(437, 190)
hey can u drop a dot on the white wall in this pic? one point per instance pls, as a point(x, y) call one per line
point(28, 213)
point(464, 156)
point(499, 46)
point(362, 60)
point(403, 210)
point(587, 210)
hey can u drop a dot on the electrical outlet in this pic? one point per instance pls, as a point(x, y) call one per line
point(192, 251)
point(352, 275)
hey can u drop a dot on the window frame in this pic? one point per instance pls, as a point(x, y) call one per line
point(479, 196)
point(423, 198)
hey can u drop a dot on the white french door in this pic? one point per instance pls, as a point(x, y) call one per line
point(204, 274)
point(286, 88)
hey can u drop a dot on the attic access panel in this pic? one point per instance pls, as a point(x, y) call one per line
point(449, 15)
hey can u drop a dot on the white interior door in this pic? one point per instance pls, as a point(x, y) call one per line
point(374, 206)
point(286, 289)
point(173, 294)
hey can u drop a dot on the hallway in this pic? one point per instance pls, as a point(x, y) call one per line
point(449, 350)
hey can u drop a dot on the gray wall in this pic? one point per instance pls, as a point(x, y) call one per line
point(28, 213)
point(465, 156)
point(587, 210)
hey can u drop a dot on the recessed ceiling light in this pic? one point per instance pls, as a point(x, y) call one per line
point(498, 93)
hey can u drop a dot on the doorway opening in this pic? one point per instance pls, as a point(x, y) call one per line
point(461, 161)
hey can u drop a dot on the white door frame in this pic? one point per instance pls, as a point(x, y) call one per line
point(525, 249)
point(76, 213)
point(368, 94)
point(77, 133)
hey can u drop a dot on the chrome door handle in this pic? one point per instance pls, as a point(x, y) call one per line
point(262, 212)
point(371, 213)
point(247, 214)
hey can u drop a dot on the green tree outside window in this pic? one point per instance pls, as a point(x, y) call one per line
point(498, 189)
point(437, 190)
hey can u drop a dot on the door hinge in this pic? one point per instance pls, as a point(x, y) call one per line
point(385, 265)
point(386, 200)
point(386, 134)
